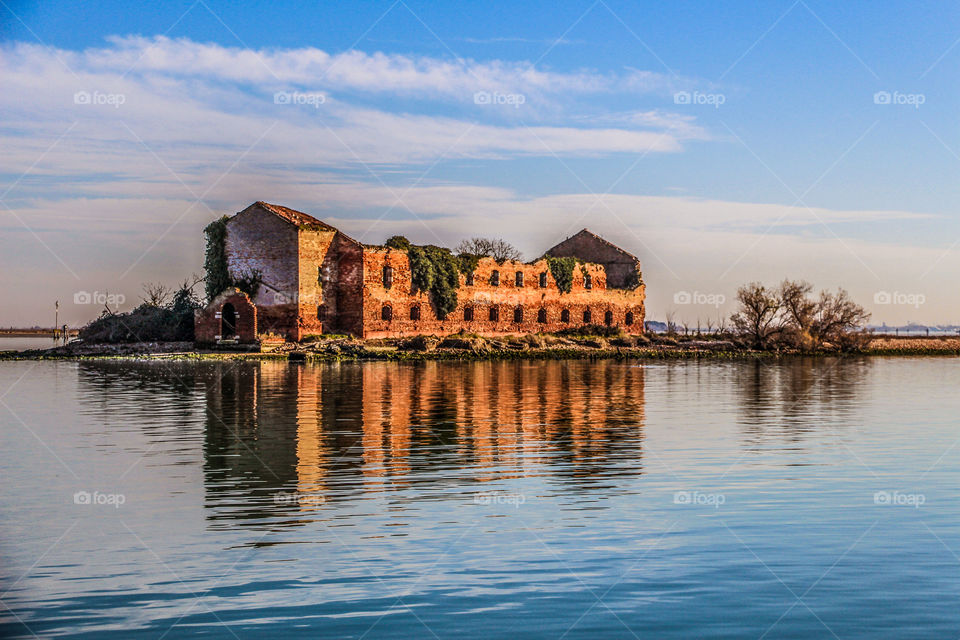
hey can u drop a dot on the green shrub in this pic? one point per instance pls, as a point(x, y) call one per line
point(562, 271)
point(147, 323)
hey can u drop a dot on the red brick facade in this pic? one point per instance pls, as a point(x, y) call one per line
point(315, 279)
point(229, 316)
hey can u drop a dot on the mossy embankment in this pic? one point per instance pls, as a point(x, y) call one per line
point(589, 343)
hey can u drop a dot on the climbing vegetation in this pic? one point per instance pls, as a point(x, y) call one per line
point(562, 271)
point(435, 270)
point(218, 276)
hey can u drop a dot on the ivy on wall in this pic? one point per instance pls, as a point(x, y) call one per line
point(634, 280)
point(435, 270)
point(215, 264)
point(562, 271)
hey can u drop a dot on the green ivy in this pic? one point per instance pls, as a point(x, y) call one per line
point(634, 280)
point(215, 264)
point(215, 260)
point(434, 270)
point(562, 271)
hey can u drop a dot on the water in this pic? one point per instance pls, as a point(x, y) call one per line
point(806, 498)
point(8, 343)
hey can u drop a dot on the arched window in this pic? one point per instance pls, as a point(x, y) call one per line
point(468, 314)
point(386, 312)
point(588, 281)
point(494, 314)
point(518, 279)
point(587, 317)
point(542, 316)
point(518, 314)
point(470, 279)
point(543, 280)
point(628, 320)
point(387, 277)
point(565, 315)
point(495, 278)
point(415, 312)
point(608, 318)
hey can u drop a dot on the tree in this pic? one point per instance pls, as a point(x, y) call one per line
point(497, 249)
point(788, 316)
point(838, 320)
point(761, 318)
point(155, 294)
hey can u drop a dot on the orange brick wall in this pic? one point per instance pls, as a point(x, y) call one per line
point(481, 296)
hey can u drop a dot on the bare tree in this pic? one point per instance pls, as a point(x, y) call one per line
point(156, 294)
point(497, 249)
point(799, 311)
point(760, 318)
point(671, 325)
point(839, 320)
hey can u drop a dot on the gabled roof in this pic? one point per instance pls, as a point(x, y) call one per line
point(594, 237)
point(298, 218)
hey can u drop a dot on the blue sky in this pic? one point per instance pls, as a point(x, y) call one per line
point(783, 163)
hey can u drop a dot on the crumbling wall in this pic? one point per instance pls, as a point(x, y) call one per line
point(482, 296)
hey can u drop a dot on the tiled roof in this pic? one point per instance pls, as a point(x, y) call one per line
point(298, 218)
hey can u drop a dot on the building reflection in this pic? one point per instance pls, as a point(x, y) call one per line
point(333, 433)
point(283, 440)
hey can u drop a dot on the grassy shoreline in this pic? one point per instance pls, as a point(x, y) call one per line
point(358, 351)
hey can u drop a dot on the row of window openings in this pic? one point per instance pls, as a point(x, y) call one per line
point(386, 313)
point(494, 279)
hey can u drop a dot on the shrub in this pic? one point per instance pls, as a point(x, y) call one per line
point(562, 271)
point(147, 323)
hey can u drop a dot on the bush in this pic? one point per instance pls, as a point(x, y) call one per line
point(147, 323)
point(420, 343)
point(562, 271)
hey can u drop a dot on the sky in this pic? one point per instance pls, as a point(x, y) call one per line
point(722, 143)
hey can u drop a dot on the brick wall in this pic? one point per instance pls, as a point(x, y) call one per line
point(620, 266)
point(208, 321)
point(481, 296)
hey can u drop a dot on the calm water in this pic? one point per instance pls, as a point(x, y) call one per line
point(809, 498)
point(23, 344)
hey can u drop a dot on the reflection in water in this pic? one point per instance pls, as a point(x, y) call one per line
point(287, 438)
point(787, 400)
point(332, 432)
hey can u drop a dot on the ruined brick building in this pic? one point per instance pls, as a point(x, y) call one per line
point(313, 279)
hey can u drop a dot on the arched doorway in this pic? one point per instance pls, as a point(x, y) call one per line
point(228, 322)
